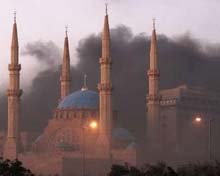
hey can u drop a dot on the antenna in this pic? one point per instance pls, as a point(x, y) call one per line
point(85, 83)
point(66, 31)
point(154, 21)
point(106, 8)
point(15, 13)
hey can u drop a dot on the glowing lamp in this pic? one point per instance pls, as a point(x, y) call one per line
point(198, 119)
point(93, 125)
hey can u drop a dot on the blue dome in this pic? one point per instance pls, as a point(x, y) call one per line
point(81, 99)
point(122, 134)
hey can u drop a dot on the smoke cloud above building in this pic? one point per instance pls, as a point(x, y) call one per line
point(182, 60)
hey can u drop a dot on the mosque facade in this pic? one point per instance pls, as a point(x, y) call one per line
point(82, 136)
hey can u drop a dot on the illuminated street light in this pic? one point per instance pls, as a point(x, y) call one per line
point(93, 125)
point(198, 120)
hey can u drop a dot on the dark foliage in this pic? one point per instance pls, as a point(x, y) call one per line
point(199, 169)
point(119, 170)
point(161, 169)
point(13, 168)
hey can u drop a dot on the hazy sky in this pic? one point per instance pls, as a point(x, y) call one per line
point(46, 19)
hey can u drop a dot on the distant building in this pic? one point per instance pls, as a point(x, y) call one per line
point(189, 138)
point(182, 122)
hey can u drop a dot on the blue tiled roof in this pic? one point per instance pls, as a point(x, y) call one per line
point(122, 134)
point(81, 99)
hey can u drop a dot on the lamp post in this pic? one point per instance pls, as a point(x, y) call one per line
point(91, 125)
point(83, 151)
point(199, 119)
point(210, 138)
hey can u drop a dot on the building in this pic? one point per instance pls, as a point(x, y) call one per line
point(182, 122)
point(189, 138)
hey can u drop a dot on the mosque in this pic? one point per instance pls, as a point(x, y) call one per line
point(83, 137)
point(83, 129)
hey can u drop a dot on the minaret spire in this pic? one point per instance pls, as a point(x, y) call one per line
point(105, 89)
point(153, 49)
point(106, 38)
point(14, 93)
point(65, 78)
point(153, 98)
point(14, 43)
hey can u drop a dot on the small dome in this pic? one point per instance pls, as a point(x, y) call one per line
point(81, 99)
point(65, 146)
point(122, 134)
point(132, 146)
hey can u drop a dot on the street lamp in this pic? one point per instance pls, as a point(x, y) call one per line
point(91, 125)
point(199, 119)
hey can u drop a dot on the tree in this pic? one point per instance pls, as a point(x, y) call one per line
point(160, 169)
point(119, 170)
point(198, 169)
point(13, 168)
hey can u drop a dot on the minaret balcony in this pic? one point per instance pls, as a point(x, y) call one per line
point(65, 78)
point(155, 73)
point(105, 61)
point(153, 98)
point(13, 67)
point(14, 93)
point(105, 87)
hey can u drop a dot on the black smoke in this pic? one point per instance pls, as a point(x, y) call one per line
point(182, 60)
point(46, 52)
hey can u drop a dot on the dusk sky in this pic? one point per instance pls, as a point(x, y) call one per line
point(46, 20)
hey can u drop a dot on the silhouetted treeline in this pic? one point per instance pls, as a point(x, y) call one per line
point(162, 169)
point(16, 168)
point(13, 168)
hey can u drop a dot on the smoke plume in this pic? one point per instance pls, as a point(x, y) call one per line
point(46, 52)
point(182, 60)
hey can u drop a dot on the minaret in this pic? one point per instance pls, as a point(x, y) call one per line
point(14, 93)
point(65, 79)
point(105, 89)
point(153, 98)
